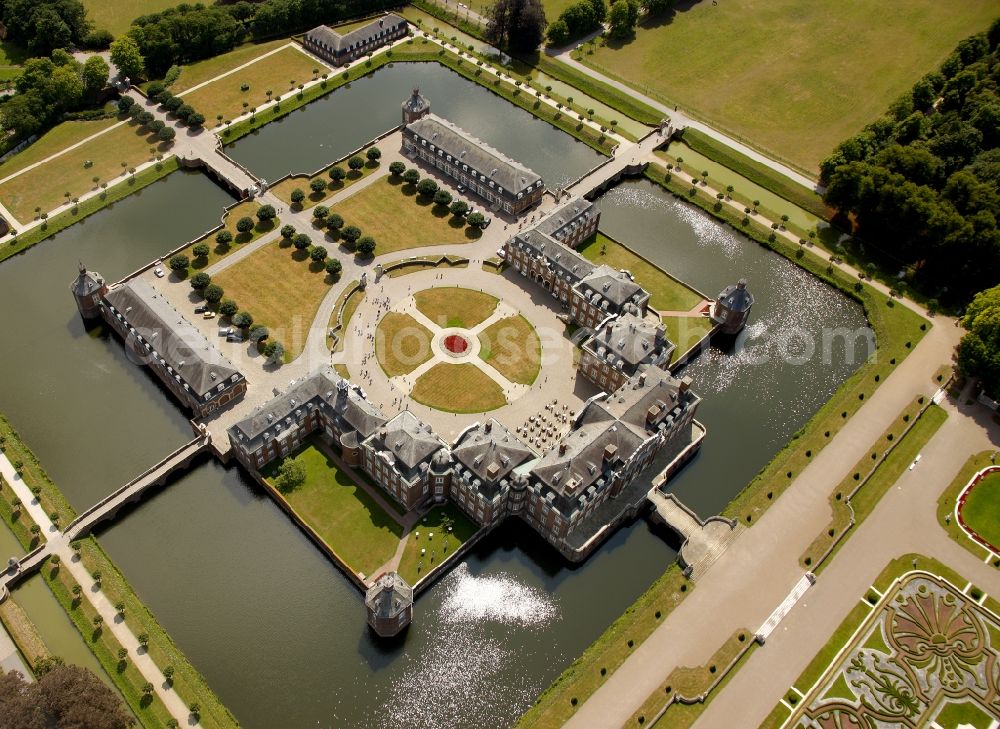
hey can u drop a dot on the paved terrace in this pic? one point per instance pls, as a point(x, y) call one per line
point(704, 540)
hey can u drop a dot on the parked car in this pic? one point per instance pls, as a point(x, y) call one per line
point(200, 309)
point(225, 331)
point(158, 272)
point(486, 223)
point(470, 211)
point(235, 337)
point(500, 254)
point(209, 315)
point(461, 189)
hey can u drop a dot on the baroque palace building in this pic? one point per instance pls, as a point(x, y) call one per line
point(339, 49)
point(574, 494)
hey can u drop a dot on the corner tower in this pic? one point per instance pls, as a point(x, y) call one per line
point(415, 107)
point(88, 288)
point(732, 307)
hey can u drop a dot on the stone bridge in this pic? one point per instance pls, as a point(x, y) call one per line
point(107, 508)
point(704, 541)
point(629, 160)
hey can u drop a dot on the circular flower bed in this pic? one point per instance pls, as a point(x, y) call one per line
point(455, 343)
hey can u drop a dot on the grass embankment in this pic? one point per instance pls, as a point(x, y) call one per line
point(586, 674)
point(401, 344)
point(379, 208)
point(511, 346)
point(423, 263)
point(421, 49)
point(280, 73)
point(896, 327)
point(437, 548)
point(666, 292)
point(686, 331)
point(897, 330)
point(17, 518)
point(343, 311)
point(107, 158)
point(458, 388)
point(857, 494)
point(282, 288)
point(342, 513)
point(947, 499)
point(756, 172)
point(88, 207)
point(34, 476)
point(283, 189)
point(24, 633)
point(814, 95)
point(218, 251)
point(693, 682)
point(454, 306)
point(858, 615)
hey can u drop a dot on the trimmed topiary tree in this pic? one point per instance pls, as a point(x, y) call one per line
point(397, 168)
point(411, 177)
point(243, 320)
point(442, 198)
point(350, 234)
point(266, 212)
point(366, 246)
point(224, 237)
point(335, 222)
point(201, 250)
point(301, 241)
point(318, 185)
point(200, 281)
point(321, 211)
point(459, 208)
point(374, 154)
point(179, 262)
point(214, 293)
point(245, 224)
point(228, 308)
point(427, 187)
point(356, 162)
point(318, 254)
point(334, 268)
point(287, 231)
point(297, 195)
point(337, 173)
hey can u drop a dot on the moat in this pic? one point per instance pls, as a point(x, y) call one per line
point(493, 633)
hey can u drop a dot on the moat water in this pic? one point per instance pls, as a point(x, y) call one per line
point(275, 628)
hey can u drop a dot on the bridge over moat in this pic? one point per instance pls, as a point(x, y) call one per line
point(107, 508)
point(704, 541)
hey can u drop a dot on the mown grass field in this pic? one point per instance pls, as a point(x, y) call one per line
point(379, 208)
point(453, 306)
point(201, 71)
point(117, 15)
point(668, 294)
point(458, 388)
point(282, 288)
point(343, 514)
point(284, 189)
point(53, 141)
point(281, 72)
point(511, 346)
point(686, 331)
point(45, 186)
point(247, 208)
point(401, 344)
point(792, 78)
point(946, 503)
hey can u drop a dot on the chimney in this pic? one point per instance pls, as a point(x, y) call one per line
point(685, 384)
point(741, 284)
point(492, 471)
point(610, 452)
point(562, 449)
point(489, 426)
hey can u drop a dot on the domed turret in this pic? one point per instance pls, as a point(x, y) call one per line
point(415, 107)
point(88, 288)
point(732, 307)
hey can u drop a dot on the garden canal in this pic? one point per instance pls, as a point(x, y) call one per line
point(275, 628)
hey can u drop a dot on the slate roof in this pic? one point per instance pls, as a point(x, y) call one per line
point(87, 283)
point(509, 174)
point(631, 339)
point(408, 440)
point(416, 103)
point(489, 448)
point(736, 297)
point(176, 340)
point(581, 462)
point(325, 36)
point(567, 217)
point(564, 261)
point(613, 285)
point(389, 596)
point(323, 388)
point(648, 400)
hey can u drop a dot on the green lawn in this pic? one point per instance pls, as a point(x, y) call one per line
point(281, 72)
point(117, 15)
point(379, 208)
point(401, 344)
point(964, 713)
point(247, 208)
point(45, 186)
point(202, 71)
point(512, 347)
point(55, 140)
point(686, 331)
point(453, 306)
point(948, 497)
point(342, 513)
point(668, 294)
point(282, 288)
point(458, 388)
point(981, 510)
point(301, 182)
point(438, 548)
point(792, 78)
